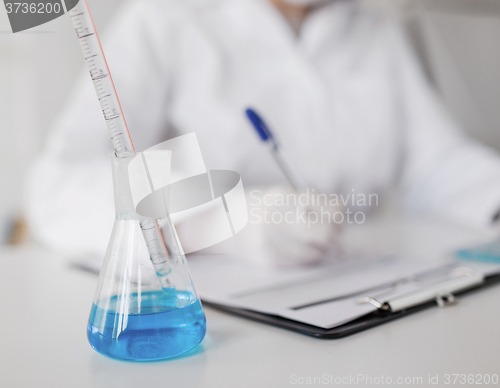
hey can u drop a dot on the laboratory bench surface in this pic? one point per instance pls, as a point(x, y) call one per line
point(46, 304)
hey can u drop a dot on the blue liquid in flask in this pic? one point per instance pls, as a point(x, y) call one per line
point(166, 325)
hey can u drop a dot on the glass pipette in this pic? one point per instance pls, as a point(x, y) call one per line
point(117, 126)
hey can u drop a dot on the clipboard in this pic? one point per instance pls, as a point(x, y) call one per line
point(360, 324)
point(439, 285)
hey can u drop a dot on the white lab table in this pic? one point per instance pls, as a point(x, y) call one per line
point(45, 307)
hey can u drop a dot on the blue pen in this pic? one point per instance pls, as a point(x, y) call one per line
point(266, 136)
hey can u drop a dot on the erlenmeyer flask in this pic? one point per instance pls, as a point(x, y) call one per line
point(144, 311)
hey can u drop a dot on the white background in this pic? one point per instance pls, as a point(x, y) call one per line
point(458, 41)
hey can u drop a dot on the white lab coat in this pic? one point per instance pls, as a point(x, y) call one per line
point(346, 99)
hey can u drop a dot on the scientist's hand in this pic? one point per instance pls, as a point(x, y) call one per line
point(287, 228)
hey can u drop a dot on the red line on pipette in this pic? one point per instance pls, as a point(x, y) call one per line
point(109, 73)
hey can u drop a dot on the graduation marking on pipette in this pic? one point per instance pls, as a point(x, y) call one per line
point(101, 77)
point(115, 120)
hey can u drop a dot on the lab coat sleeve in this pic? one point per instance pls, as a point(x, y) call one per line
point(444, 172)
point(69, 196)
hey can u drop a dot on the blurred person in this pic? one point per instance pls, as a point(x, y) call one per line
point(338, 84)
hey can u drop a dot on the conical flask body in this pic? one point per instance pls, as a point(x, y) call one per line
point(145, 307)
